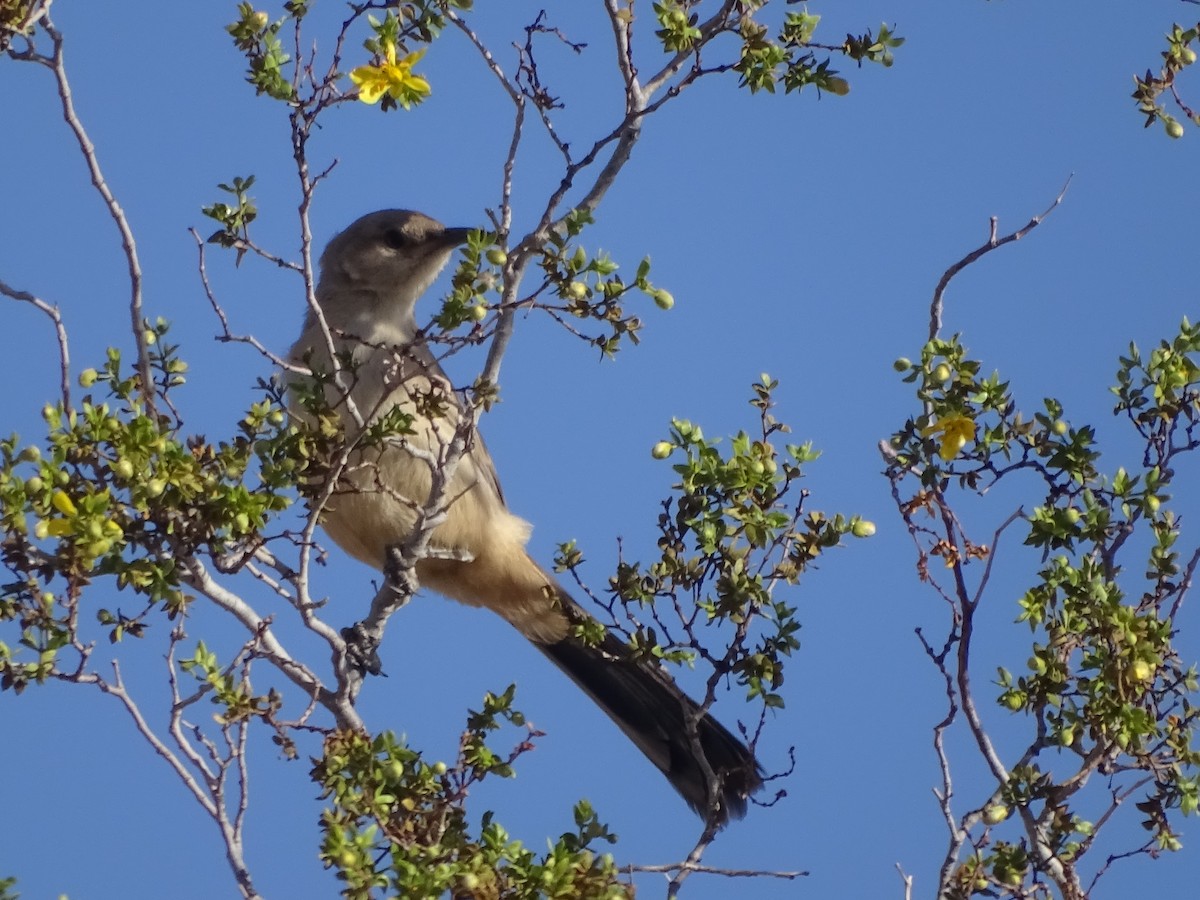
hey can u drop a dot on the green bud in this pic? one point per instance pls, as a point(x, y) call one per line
point(99, 548)
point(478, 312)
point(123, 469)
point(34, 485)
point(576, 290)
point(902, 364)
point(438, 768)
point(88, 377)
point(942, 373)
point(862, 528)
point(259, 20)
point(1188, 55)
point(663, 299)
point(1059, 427)
point(496, 256)
point(995, 813)
point(1173, 127)
point(661, 450)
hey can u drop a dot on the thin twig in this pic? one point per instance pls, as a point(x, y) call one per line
point(116, 213)
point(993, 242)
point(60, 333)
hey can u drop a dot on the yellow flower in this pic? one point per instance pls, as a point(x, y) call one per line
point(393, 78)
point(956, 430)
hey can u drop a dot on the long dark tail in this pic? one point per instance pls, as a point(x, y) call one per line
point(651, 709)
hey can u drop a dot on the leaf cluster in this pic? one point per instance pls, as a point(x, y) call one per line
point(397, 826)
point(122, 493)
point(1149, 89)
point(733, 531)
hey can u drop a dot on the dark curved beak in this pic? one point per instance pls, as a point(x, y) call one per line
point(453, 237)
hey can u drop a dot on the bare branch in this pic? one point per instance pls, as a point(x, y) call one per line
point(116, 213)
point(60, 333)
point(993, 242)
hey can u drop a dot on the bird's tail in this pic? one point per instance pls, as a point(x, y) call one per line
point(650, 708)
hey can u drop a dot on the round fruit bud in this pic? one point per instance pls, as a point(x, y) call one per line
point(1059, 427)
point(276, 417)
point(1072, 515)
point(496, 256)
point(1174, 128)
point(1188, 55)
point(155, 486)
point(1152, 504)
point(663, 299)
point(438, 768)
point(48, 412)
point(35, 484)
point(1011, 877)
point(1014, 700)
point(149, 337)
point(259, 20)
point(902, 364)
point(576, 290)
point(942, 372)
point(862, 528)
point(123, 469)
point(88, 377)
point(661, 450)
point(995, 813)
point(478, 313)
point(41, 530)
point(30, 454)
point(1142, 670)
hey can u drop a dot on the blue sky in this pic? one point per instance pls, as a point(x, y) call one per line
point(800, 236)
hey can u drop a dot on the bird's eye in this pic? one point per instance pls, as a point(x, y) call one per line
point(395, 238)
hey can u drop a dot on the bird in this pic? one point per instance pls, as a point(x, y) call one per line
point(371, 277)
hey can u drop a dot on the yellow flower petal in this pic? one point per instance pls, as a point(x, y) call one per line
point(63, 503)
point(372, 84)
